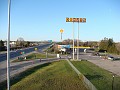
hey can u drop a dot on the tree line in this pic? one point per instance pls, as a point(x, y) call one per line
point(2, 47)
point(109, 45)
point(106, 44)
point(19, 44)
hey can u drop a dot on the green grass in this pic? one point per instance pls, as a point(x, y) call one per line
point(34, 56)
point(22, 75)
point(54, 76)
point(101, 78)
point(38, 56)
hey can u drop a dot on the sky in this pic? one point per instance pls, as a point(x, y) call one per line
point(38, 20)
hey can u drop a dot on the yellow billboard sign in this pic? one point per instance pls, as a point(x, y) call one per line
point(81, 20)
point(61, 30)
point(84, 20)
point(67, 19)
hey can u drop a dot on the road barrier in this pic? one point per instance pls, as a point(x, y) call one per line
point(88, 84)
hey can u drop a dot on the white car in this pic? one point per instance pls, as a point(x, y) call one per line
point(69, 57)
point(110, 57)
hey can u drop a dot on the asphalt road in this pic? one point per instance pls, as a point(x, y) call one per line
point(14, 54)
point(19, 66)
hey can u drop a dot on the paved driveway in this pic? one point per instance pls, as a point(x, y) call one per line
point(112, 66)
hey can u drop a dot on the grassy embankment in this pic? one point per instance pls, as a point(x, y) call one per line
point(51, 76)
point(101, 78)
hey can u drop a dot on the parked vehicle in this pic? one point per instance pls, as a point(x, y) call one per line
point(110, 57)
point(95, 54)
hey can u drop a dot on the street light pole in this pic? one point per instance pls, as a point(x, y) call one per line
point(73, 40)
point(78, 44)
point(8, 48)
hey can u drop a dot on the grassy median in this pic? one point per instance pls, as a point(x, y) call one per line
point(52, 76)
point(34, 56)
point(101, 78)
point(38, 56)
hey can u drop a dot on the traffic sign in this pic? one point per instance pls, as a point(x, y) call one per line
point(61, 30)
point(35, 49)
point(50, 41)
point(22, 52)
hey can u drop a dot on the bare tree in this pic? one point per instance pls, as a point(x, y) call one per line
point(20, 42)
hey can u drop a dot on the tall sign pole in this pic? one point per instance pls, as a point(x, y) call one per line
point(73, 43)
point(61, 37)
point(61, 31)
point(79, 20)
point(8, 47)
point(78, 44)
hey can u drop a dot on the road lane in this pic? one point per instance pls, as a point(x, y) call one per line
point(3, 57)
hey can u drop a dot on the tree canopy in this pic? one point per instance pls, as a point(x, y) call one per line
point(1, 43)
point(109, 45)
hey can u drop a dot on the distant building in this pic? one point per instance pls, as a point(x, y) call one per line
point(12, 43)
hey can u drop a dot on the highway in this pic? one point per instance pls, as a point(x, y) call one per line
point(14, 54)
point(19, 66)
point(22, 66)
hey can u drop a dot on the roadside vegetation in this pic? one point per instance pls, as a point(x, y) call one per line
point(2, 47)
point(50, 76)
point(106, 44)
point(33, 56)
point(101, 78)
point(109, 45)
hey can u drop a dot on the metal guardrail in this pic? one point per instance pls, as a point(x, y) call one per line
point(88, 84)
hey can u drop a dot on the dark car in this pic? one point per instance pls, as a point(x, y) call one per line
point(95, 54)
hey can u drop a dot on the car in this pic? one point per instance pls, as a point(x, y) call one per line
point(69, 57)
point(95, 54)
point(110, 57)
